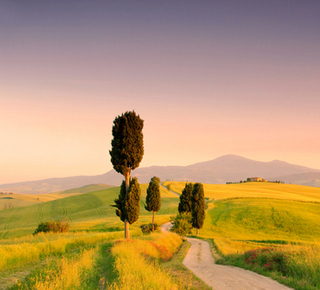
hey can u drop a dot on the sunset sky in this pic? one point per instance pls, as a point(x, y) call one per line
point(209, 78)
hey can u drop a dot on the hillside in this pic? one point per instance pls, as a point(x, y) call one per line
point(89, 211)
point(255, 190)
point(19, 200)
point(218, 171)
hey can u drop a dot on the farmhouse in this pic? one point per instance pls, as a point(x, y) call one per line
point(256, 179)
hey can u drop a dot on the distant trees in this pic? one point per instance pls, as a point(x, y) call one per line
point(153, 199)
point(185, 199)
point(198, 206)
point(126, 154)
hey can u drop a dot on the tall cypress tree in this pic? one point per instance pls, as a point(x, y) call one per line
point(126, 154)
point(153, 199)
point(185, 199)
point(198, 206)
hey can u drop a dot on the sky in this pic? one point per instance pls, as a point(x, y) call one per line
point(208, 78)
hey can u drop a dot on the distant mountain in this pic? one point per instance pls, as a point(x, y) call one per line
point(220, 170)
point(309, 178)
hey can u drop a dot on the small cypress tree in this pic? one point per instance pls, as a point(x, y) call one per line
point(185, 199)
point(153, 199)
point(128, 204)
point(126, 155)
point(198, 206)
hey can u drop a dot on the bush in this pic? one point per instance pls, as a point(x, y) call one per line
point(269, 258)
point(55, 227)
point(181, 224)
point(147, 228)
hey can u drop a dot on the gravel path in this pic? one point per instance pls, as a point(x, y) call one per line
point(200, 261)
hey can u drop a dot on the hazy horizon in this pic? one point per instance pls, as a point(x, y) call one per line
point(208, 78)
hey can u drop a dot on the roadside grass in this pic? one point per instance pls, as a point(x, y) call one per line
point(295, 266)
point(145, 272)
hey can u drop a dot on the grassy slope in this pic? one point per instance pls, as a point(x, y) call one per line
point(88, 211)
point(255, 189)
point(264, 219)
point(19, 200)
point(87, 188)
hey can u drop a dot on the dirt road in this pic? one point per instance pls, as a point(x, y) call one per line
point(201, 262)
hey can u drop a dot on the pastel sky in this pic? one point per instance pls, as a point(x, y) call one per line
point(209, 78)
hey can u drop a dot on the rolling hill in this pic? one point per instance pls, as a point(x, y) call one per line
point(218, 171)
point(85, 211)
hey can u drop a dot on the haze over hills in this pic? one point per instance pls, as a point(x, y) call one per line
point(218, 171)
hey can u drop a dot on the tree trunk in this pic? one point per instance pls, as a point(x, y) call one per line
point(126, 230)
point(153, 222)
point(126, 223)
point(197, 232)
point(127, 179)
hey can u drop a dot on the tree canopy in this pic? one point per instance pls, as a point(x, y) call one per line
point(185, 199)
point(128, 204)
point(127, 143)
point(153, 199)
point(198, 206)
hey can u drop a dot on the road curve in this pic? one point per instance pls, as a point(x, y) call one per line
point(200, 261)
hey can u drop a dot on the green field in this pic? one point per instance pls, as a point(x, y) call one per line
point(19, 200)
point(87, 211)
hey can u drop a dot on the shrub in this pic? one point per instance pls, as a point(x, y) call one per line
point(147, 228)
point(55, 227)
point(181, 224)
point(269, 258)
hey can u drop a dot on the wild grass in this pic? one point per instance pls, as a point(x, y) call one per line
point(28, 250)
point(144, 272)
point(295, 266)
point(67, 273)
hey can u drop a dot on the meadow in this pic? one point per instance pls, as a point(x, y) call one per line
point(273, 229)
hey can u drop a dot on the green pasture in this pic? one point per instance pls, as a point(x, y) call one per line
point(263, 220)
point(87, 211)
point(86, 188)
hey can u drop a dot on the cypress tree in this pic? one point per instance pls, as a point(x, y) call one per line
point(128, 204)
point(185, 199)
point(198, 206)
point(153, 199)
point(126, 154)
